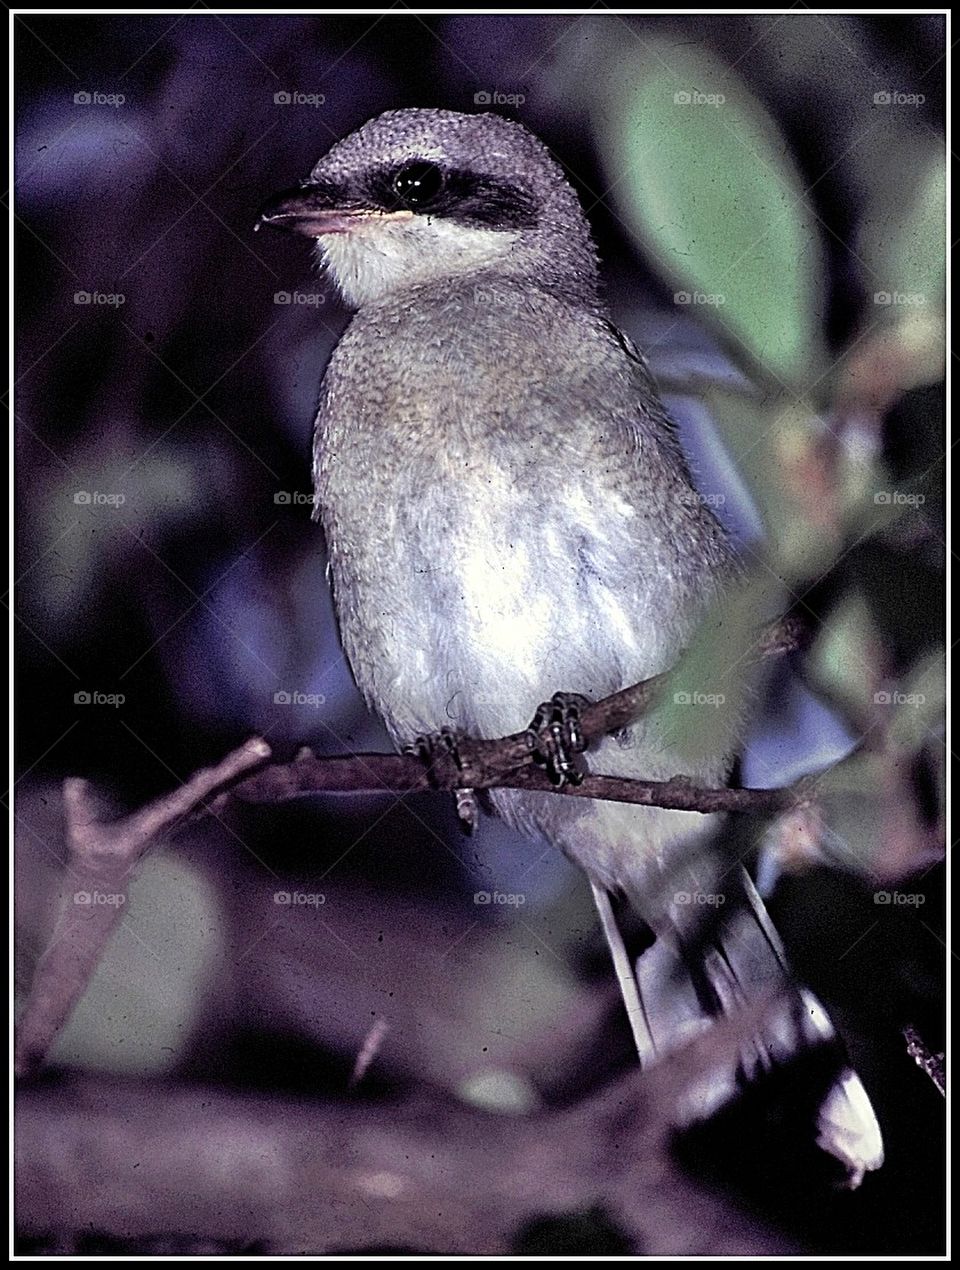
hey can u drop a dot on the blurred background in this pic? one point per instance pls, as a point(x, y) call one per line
point(767, 194)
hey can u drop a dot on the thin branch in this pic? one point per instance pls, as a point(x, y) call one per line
point(403, 774)
point(925, 1059)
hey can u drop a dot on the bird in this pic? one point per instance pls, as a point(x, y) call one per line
point(512, 527)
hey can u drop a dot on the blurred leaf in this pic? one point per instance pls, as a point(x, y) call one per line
point(704, 177)
point(139, 1011)
point(782, 449)
point(843, 661)
point(683, 370)
point(902, 245)
point(902, 236)
point(497, 1089)
point(919, 703)
point(854, 810)
point(798, 840)
point(85, 512)
point(700, 709)
point(858, 474)
point(871, 820)
point(891, 360)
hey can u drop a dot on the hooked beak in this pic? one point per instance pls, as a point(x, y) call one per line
point(311, 209)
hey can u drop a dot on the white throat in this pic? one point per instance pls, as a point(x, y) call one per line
point(385, 254)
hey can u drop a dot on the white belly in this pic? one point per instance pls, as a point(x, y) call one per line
point(485, 619)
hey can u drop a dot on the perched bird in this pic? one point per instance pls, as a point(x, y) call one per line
point(508, 512)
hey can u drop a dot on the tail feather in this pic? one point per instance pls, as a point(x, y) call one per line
point(689, 975)
point(632, 1000)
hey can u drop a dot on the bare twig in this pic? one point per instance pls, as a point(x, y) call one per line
point(368, 1051)
point(925, 1059)
point(400, 773)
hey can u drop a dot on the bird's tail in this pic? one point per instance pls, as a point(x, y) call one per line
point(694, 971)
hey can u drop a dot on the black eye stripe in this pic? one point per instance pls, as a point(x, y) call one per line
point(467, 198)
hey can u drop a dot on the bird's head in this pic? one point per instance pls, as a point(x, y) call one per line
point(421, 196)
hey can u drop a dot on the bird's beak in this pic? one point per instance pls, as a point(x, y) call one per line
point(311, 210)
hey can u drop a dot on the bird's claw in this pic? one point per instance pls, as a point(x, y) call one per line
point(430, 747)
point(560, 718)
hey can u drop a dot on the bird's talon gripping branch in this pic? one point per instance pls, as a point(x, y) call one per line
point(433, 748)
point(560, 719)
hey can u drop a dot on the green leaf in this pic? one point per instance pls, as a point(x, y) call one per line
point(775, 442)
point(703, 176)
point(902, 239)
point(855, 812)
point(699, 711)
point(919, 703)
point(844, 655)
point(903, 248)
point(140, 1010)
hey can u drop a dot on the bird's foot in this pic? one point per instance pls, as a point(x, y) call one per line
point(560, 716)
point(433, 747)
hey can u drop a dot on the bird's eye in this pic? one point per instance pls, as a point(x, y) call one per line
point(417, 184)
